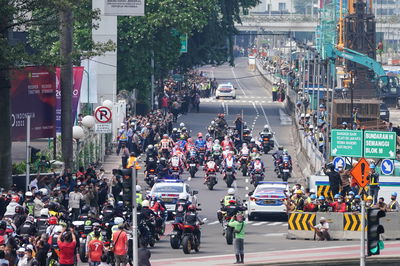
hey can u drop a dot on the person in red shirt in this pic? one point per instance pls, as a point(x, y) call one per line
point(66, 242)
point(96, 248)
point(120, 240)
point(338, 205)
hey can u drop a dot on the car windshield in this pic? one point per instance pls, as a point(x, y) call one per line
point(170, 189)
point(225, 87)
point(269, 190)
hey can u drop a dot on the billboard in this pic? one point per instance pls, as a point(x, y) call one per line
point(124, 7)
point(33, 92)
point(76, 93)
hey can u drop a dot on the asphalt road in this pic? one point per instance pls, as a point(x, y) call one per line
point(254, 99)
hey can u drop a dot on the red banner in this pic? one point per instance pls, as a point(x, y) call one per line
point(76, 94)
point(33, 92)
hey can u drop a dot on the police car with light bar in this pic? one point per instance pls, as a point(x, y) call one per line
point(170, 189)
point(267, 198)
point(225, 90)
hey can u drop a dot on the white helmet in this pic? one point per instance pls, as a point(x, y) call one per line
point(266, 127)
point(182, 196)
point(145, 203)
point(28, 194)
point(182, 124)
point(212, 122)
point(44, 212)
point(231, 191)
point(311, 127)
point(307, 115)
point(216, 141)
point(138, 188)
point(303, 115)
point(118, 220)
point(44, 191)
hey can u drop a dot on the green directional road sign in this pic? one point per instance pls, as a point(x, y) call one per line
point(346, 143)
point(380, 144)
point(184, 43)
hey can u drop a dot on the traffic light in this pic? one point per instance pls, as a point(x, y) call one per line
point(127, 190)
point(374, 244)
point(34, 155)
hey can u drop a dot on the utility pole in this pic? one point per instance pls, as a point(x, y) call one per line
point(152, 79)
point(66, 84)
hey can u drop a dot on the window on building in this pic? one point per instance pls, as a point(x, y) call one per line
point(282, 6)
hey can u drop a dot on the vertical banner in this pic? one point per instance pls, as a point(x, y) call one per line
point(76, 92)
point(124, 7)
point(33, 92)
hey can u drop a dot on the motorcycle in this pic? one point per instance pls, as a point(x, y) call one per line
point(228, 231)
point(211, 179)
point(229, 178)
point(257, 177)
point(151, 177)
point(145, 237)
point(244, 160)
point(175, 238)
point(201, 155)
point(175, 172)
point(217, 157)
point(247, 135)
point(192, 169)
point(285, 170)
point(189, 239)
point(266, 145)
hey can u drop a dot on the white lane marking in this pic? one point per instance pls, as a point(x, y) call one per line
point(266, 119)
point(227, 109)
point(247, 188)
point(276, 223)
point(223, 106)
point(215, 222)
point(249, 222)
point(275, 234)
point(237, 81)
point(261, 223)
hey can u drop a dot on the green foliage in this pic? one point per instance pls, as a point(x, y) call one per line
point(19, 168)
point(44, 36)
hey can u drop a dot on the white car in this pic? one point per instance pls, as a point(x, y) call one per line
point(169, 191)
point(225, 90)
point(267, 198)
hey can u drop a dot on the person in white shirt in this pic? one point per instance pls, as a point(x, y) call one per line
point(322, 229)
point(75, 198)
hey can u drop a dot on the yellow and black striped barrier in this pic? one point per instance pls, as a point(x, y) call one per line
point(324, 190)
point(301, 221)
point(351, 222)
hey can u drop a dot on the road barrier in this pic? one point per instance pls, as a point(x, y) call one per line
point(324, 190)
point(342, 226)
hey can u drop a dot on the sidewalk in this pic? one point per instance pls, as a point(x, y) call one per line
point(112, 162)
point(392, 249)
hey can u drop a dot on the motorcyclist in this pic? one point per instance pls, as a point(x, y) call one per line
point(244, 151)
point(210, 166)
point(190, 145)
point(216, 148)
point(147, 215)
point(29, 204)
point(278, 154)
point(10, 210)
point(182, 143)
point(200, 142)
point(162, 168)
point(176, 162)
point(253, 145)
point(166, 145)
point(257, 166)
point(151, 157)
point(175, 135)
point(53, 223)
point(227, 143)
point(230, 196)
point(254, 154)
point(191, 218)
point(28, 228)
point(181, 207)
point(225, 152)
point(231, 209)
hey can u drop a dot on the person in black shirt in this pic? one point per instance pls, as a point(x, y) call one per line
point(334, 179)
point(41, 253)
point(192, 219)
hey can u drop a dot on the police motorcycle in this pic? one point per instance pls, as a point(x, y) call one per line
point(247, 135)
point(267, 143)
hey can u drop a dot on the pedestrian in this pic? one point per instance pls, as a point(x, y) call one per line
point(95, 249)
point(74, 202)
point(238, 224)
point(125, 155)
point(42, 248)
point(322, 230)
point(373, 183)
point(274, 92)
point(144, 256)
point(66, 242)
point(3, 261)
point(120, 246)
point(334, 179)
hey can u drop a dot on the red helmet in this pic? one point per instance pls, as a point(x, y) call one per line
point(53, 220)
point(199, 135)
point(190, 140)
point(192, 207)
point(232, 201)
point(15, 198)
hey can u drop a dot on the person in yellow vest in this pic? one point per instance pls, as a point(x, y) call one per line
point(393, 205)
point(373, 183)
point(274, 92)
point(139, 196)
point(132, 161)
point(227, 198)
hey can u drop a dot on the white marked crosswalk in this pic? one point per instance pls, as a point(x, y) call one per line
point(240, 99)
point(261, 223)
point(252, 223)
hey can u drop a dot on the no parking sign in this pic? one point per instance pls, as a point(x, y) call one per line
point(103, 114)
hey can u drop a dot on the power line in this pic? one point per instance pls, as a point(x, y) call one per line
point(102, 63)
